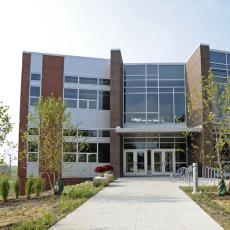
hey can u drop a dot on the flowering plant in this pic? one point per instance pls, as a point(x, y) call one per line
point(99, 169)
point(108, 167)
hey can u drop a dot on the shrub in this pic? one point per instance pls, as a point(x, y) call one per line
point(29, 187)
point(83, 190)
point(4, 187)
point(38, 185)
point(16, 188)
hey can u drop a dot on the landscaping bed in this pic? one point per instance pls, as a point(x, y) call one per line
point(44, 211)
point(218, 207)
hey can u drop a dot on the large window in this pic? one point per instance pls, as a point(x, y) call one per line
point(87, 99)
point(154, 93)
point(220, 65)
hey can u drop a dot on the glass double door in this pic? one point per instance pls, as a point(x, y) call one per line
point(135, 162)
point(163, 162)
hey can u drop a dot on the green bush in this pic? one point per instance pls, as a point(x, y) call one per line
point(29, 187)
point(16, 188)
point(4, 187)
point(83, 190)
point(38, 185)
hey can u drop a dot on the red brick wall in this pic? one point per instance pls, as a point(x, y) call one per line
point(24, 101)
point(52, 84)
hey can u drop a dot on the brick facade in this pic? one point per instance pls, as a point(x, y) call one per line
point(116, 111)
point(24, 103)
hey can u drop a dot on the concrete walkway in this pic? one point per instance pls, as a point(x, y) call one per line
point(140, 203)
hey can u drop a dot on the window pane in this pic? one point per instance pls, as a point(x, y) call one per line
point(88, 133)
point(218, 57)
point(103, 133)
point(171, 83)
point(103, 153)
point(33, 131)
point(35, 76)
point(32, 157)
point(82, 157)
point(69, 147)
point(134, 69)
point(218, 66)
point(228, 59)
point(152, 69)
point(181, 156)
point(71, 79)
point(84, 80)
point(92, 104)
point(134, 90)
point(152, 90)
point(89, 148)
point(71, 103)
point(135, 103)
point(33, 101)
point(134, 83)
point(179, 100)
point(152, 118)
point(152, 83)
point(87, 94)
point(104, 82)
point(222, 80)
point(70, 93)
point(92, 158)
point(166, 107)
point(32, 146)
point(171, 71)
point(152, 102)
point(219, 73)
point(83, 104)
point(104, 100)
point(135, 117)
point(69, 157)
point(134, 77)
point(35, 91)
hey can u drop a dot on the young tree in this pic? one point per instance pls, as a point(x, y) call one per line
point(45, 127)
point(214, 116)
point(5, 122)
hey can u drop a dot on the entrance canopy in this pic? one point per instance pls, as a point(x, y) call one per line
point(162, 128)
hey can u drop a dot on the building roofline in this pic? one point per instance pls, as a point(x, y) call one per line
point(63, 55)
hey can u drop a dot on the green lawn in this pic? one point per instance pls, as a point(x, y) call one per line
point(43, 212)
point(218, 207)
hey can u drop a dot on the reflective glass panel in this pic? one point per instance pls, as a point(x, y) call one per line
point(84, 80)
point(152, 103)
point(152, 70)
point(35, 76)
point(71, 79)
point(135, 102)
point(87, 94)
point(166, 107)
point(217, 57)
point(34, 91)
point(179, 101)
point(171, 71)
point(134, 69)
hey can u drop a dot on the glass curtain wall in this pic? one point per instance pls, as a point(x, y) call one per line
point(154, 93)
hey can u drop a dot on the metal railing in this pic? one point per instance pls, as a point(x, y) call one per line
point(183, 173)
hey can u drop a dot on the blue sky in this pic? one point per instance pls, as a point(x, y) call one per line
point(144, 30)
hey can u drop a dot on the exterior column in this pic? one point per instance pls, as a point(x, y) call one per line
point(116, 112)
point(197, 67)
point(24, 106)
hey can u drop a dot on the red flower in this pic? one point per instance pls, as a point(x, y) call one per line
point(108, 167)
point(99, 169)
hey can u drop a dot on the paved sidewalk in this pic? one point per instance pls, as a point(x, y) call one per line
point(139, 203)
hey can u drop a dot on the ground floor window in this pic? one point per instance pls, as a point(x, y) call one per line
point(91, 152)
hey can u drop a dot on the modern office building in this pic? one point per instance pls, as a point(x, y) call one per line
point(133, 114)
